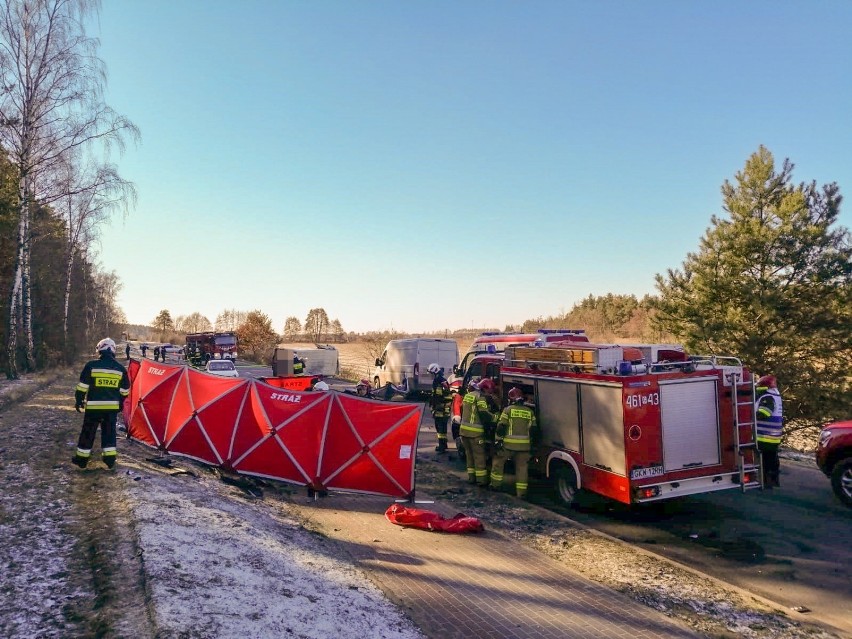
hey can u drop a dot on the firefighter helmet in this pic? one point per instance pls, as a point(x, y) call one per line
point(472, 385)
point(320, 386)
point(106, 344)
point(515, 394)
point(767, 381)
point(487, 385)
point(433, 368)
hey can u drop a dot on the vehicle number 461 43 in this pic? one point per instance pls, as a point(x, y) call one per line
point(637, 401)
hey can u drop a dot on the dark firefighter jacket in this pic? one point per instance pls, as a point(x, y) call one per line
point(104, 384)
point(440, 397)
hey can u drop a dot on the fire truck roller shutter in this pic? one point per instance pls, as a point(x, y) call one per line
point(690, 423)
point(602, 423)
point(558, 417)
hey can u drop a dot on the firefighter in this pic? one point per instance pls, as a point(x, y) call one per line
point(770, 425)
point(127, 351)
point(515, 432)
point(156, 353)
point(455, 412)
point(439, 404)
point(298, 365)
point(476, 416)
point(103, 387)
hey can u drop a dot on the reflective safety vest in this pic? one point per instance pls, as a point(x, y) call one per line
point(770, 415)
point(298, 366)
point(473, 406)
point(515, 425)
point(103, 384)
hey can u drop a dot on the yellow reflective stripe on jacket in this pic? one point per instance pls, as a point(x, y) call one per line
point(82, 387)
point(107, 404)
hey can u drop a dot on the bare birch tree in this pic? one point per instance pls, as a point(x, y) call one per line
point(51, 103)
point(88, 195)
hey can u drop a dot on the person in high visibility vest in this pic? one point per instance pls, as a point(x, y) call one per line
point(439, 403)
point(770, 428)
point(476, 415)
point(100, 394)
point(298, 365)
point(516, 429)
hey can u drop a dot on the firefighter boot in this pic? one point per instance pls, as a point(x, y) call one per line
point(82, 462)
point(442, 445)
point(460, 449)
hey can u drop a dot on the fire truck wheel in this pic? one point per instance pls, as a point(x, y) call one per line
point(566, 484)
point(841, 480)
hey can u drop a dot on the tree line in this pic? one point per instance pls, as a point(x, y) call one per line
point(56, 186)
point(254, 330)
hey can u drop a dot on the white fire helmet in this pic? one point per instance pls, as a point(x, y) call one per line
point(106, 344)
point(433, 368)
point(320, 386)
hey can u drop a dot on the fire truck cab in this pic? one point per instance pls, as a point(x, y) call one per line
point(485, 355)
point(635, 430)
point(202, 347)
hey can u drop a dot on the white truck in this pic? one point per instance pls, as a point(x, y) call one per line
point(407, 359)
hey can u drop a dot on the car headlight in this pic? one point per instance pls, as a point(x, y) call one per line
point(824, 435)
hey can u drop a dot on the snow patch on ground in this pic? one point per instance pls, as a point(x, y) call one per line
point(222, 566)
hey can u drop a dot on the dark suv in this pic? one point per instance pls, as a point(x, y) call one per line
point(834, 458)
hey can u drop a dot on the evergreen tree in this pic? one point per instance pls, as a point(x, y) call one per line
point(163, 322)
point(770, 283)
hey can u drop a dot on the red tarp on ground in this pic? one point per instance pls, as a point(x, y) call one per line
point(323, 440)
point(429, 520)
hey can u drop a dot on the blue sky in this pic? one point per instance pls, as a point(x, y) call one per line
point(435, 165)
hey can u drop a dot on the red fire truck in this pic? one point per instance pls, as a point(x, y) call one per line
point(202, 347)
point(635, 430)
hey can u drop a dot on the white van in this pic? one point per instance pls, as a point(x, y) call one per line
point(409, 358)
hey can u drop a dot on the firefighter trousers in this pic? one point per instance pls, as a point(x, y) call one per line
point(474, 453)
point(771, 464)
point(91, 421)
point(441, 428)
point(522, 464)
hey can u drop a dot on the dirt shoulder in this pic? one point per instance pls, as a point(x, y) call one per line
point(65, 534)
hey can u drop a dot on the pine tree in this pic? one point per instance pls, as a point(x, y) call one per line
point(770, 283)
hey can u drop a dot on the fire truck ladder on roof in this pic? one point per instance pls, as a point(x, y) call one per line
point(749, 459)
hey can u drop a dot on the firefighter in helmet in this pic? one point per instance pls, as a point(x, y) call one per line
point(476, 417)
point(100, 394)
point(439, 403)
point(515, 433)
point(770, 426)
